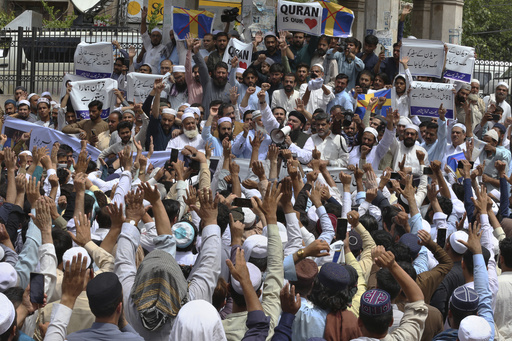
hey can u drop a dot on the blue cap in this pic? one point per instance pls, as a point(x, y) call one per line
point(411, 241)
point(334, 276)
point(501, 127)
point(464, 299)
point(10, 101)
point(375, 302)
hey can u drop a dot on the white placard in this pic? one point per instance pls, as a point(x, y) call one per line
point(300, 17)
point(460, 61)
point(140, 85)
point(84, 92)
point(426, 97)
point(240, 49)
point(426, 57)
point(94, 61)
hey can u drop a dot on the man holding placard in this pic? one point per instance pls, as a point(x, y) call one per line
point(91, 128)
point(152, 44)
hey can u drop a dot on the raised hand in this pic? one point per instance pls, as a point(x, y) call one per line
point(207, 210)
point(134, 206)
point(83, 230)
point(269, 204)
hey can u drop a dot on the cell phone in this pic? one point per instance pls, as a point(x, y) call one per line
point(242, 202)
point(36, 288)
point(496, 117)
point(395, 176)
point(294, 155)
point(174, 155)
point(441, 237)
point(427, 171)
point(460, 165)
point(341, 228)
point(339, 253)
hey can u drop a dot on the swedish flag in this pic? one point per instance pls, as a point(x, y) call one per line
point(453, 161)
point(364, 99)
point(336, 20)
point(197, 23)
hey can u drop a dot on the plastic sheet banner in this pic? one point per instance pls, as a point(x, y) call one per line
point(427, 97)
point(84, 92)
point(94, 61)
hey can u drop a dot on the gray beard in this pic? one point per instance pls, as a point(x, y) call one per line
point(191, 133)
point(260, 129)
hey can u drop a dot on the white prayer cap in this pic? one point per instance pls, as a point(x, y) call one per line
point(494, 192)
point(249, 217)
point(193, 110)
point(23, 102)
point(320, 66)
point(254, 274)
point(7, 314)
point(183, 233)
point(129, 111)
point(404, 121)
point(224, 119)
point(187, 115)
point(493, 134)
point(502, 84)
point(27, 152)
point(256, 114)
point(282, 232)
point(31, 95)
point(255, 246)
point(46, 93)
point(185, 104)
point(43, 100)
point(54, 104)
point(156, 29)
point(8, 276)
point(371, 130)
point(74, 251)
point(474, 328)
point(413, 126)
point(462, 86)
point(270, 34)
point(474, 80)
point(240, 70)
point(269, 61)
point(461, 126)
point(178, 68)
point(169, 111)
point(455, 244)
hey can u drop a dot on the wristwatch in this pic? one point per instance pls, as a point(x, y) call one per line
point(131, 222)
point(301, 254)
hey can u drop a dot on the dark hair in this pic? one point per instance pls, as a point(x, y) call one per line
point(376, 324)
point(383, 238)
point(384, 76)
point(100, 309)
point(351, 40)
point(301, 65)
point(401, 251)
point(468, 259)
point(121, 59)
point(446, 205)
point(103, 218)
point(172, 207)
point(329, 299)
point(397, 44)
point(388, 213)
point(409, 269)
point(250, 71)
point(368, 73)
point(276, 68)
point(431, 125)
point(124, 125)
point(62, 242)
point(290, 74)
point(214, 103)
point(97, 104)
point(369, 222)
point(388, 283)
point(506, 251)
point(341, 76)
point(222, 217)
point(15, 295)
point(220, 293)
point(326, 38)
point(221, 34)
point(458, 189)
point(459, 315)
point(91, 167)
point(261, 263)
point(89, 201)
point(66, 148)
point(247, 112)
point(62, 174)
point(196, 66)
point(275, 108)
point(224, 106)
point(333, 209)
point(221, 64)
point(320, 116)
point(371, 39)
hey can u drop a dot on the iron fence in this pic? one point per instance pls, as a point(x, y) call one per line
point(39, 58)
point(490, 73)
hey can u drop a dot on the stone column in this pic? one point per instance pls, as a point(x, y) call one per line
point(358, 7)
point(420, 17)
point(446, 15)
point(382, 15)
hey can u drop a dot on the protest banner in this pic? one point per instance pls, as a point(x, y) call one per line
point(336, 20)
point(300, 17)
point(84, 92)
point(426, 97)
point(94, 61)
point(426, 57)
point(240, 49)
point(460, 61)
point(197, 23)
point(139, 86)
point(71, 78)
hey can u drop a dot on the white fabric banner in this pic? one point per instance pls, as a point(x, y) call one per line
point(460, 61)
point(240, 49)
point(426, 57)
point(95, 60)
point(301, 17)
point(139, 86)
point(84, 92)
point(426, 97)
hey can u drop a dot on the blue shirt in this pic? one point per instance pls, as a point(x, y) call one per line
point(341, 98)
point(215, 142)
point(481, 278)
point(437, 150)
point(309, 321)
point(105, 331)
point(370, 61)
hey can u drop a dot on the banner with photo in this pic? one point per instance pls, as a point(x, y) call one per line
point(139, 86)
point(94, 61)
point(427, 97)
point(460, 61)
point(426, 57)
point(240, 49)
point(84, 92)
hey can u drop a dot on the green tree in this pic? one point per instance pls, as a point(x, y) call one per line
point(57, 19)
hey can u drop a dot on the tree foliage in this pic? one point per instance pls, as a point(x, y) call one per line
point(487, 26)
point(56, 19)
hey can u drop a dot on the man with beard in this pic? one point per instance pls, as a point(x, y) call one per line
point(301, 74)
point(348, 63)
point(43, 109)
point(341, 97)
point(371, 150)
point(250, 78)
point(319, 58)
point(208, 44)
point(178, 93)
point(20, 92)
point(195, 89)
point(275, 79)
point(407, 148)
point(216, 86)
point(271, 51)
point(499, 99)
point(104, 138)
point(33, 98)
point(190, 136)
point(10, 107)
point(460, 99)
point(221, 42)
point(286, 97)
point(435, 137)
point(226, 110)
point(124, 131)
point(315, 94)
point(368, 56)
point(91, 128)
point(458, 144)
point(301, 49)
point(365, 82)
point(225, 131)
point(390, 65)
point(152, 44)
point(241, 146)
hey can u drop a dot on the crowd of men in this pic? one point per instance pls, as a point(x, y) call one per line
point(399, 245)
